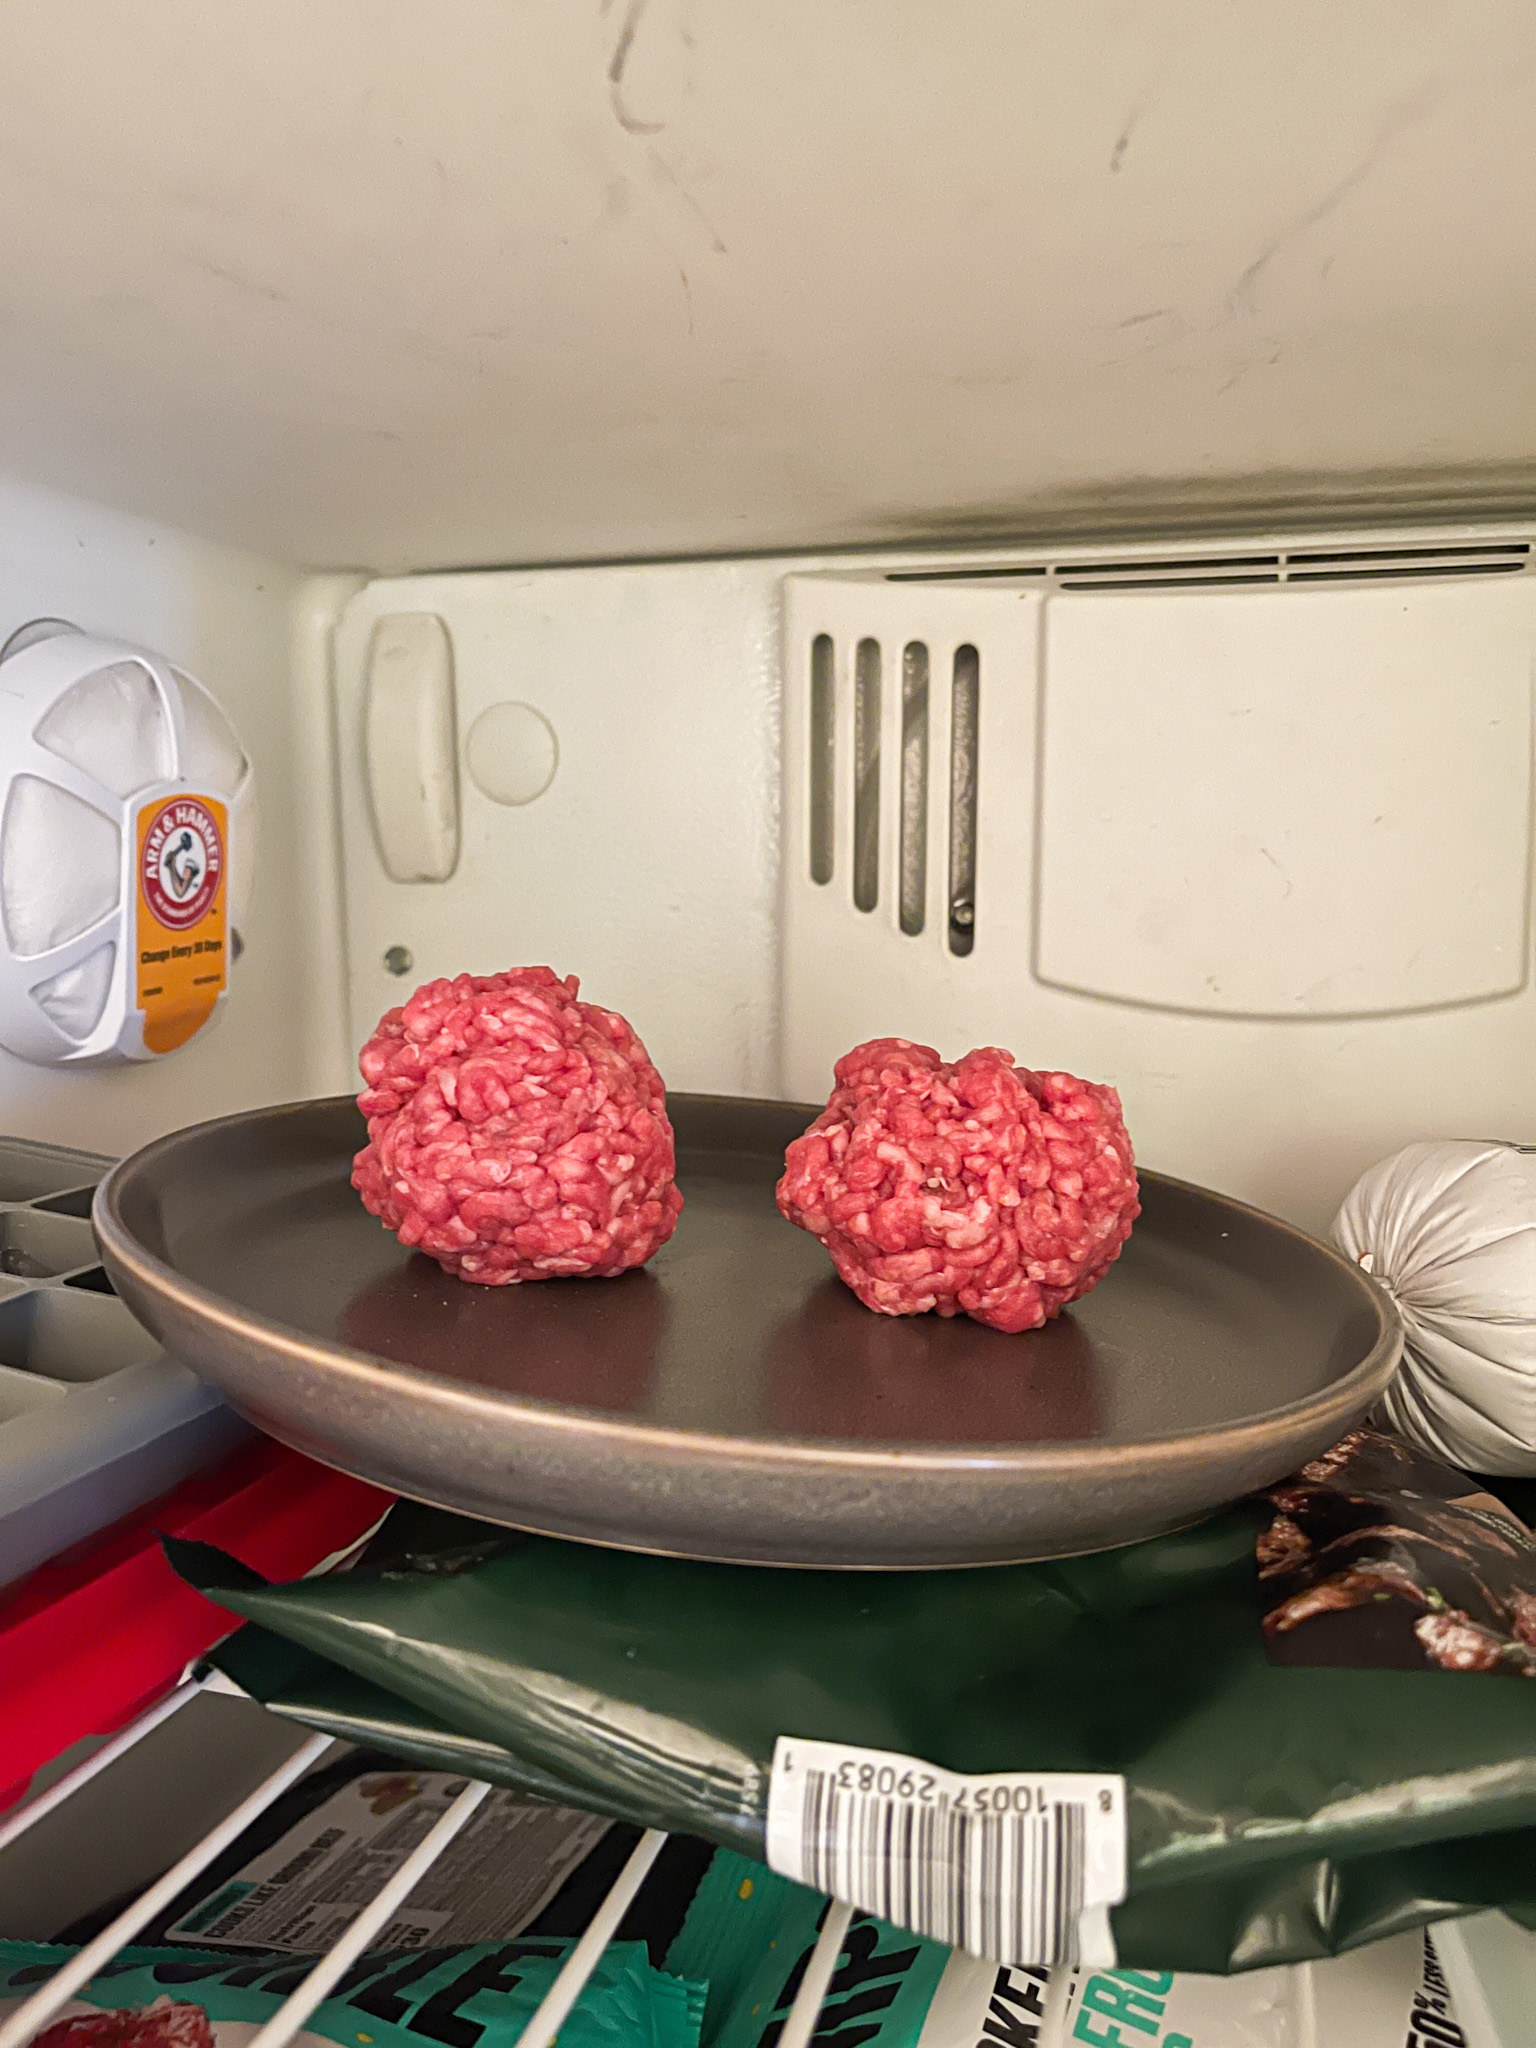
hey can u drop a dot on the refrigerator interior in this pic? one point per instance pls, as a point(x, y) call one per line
point(621, 339)
point(322, 317)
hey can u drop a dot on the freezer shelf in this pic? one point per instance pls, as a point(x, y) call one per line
point(37, 2011)
point(1490, 1963)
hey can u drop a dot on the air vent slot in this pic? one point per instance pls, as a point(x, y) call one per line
point(1208, 570)
point(866, 775)
point(964, 748)
point(980, 573)
point(913, 878)
point(1458, 551)
point(1190, 569)
point(1161, 582)
point(823, 760)
point(1356, 572)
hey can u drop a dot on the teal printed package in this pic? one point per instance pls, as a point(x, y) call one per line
point(752, 1933)
point(477, 1997)
point(749, 1933)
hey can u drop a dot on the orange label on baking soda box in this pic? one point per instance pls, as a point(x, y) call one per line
point(181, 941)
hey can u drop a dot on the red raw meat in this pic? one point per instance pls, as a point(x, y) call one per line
point(161, 2025)
point(514, 1132)
point(979, 1189)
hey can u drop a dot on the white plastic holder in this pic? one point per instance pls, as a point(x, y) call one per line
point(127, 839)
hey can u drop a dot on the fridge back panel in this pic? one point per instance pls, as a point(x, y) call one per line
point(1245, 832)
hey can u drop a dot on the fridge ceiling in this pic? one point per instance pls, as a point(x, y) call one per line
point(406, 286)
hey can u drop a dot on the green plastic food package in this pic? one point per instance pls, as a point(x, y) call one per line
point(1271, 1814)
point(475, 1997)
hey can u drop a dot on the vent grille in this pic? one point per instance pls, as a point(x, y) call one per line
point(913, 785)
point(1210, 571)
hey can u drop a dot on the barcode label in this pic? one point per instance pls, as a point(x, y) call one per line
point(1018, 1866)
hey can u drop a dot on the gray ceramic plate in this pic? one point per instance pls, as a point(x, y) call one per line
point(733, 1400)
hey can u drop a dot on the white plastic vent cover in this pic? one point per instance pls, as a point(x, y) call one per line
point(1236, 851)
point(1286, 803)
point(99, 743)
point(1349, 562)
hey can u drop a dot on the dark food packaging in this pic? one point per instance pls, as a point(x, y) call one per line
point(1274, 1812)
point(1379, 1554)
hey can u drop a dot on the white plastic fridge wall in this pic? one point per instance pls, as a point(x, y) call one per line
point(226, 616)
point(1232, 803)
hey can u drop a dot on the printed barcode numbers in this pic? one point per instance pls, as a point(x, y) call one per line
point(1020, 1867)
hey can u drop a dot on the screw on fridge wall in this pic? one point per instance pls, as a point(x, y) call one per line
point(398, 960)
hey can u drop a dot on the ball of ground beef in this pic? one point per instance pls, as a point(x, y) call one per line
point(163, 2024)
point(515, 1133)
point(979, 1189)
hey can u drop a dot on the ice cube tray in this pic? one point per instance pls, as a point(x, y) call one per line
point(95, 1419)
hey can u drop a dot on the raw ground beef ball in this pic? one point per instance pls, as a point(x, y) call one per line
point(514, 1132)
point(162, 2025)
point(979, 1189)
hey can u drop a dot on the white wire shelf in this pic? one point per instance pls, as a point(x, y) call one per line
point(35, 2013)
point(1466, 1962)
